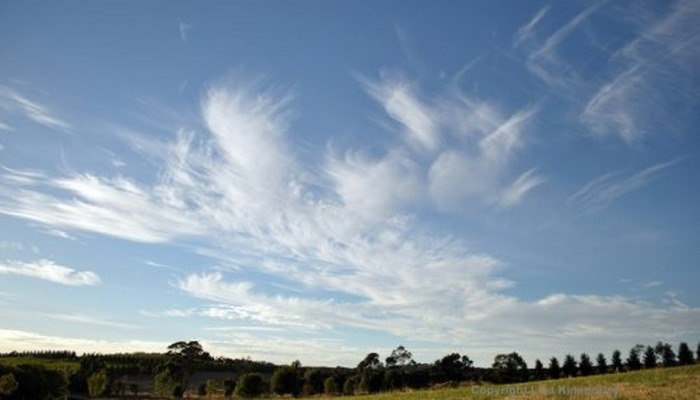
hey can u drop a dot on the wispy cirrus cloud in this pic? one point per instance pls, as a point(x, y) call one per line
point(526, 31)
point(331, 245)
point(50, 271)
point(665, 52)
point(623, 99)
point(91, 320)
point(604, 190)
point(13, 101)
point(543, 58)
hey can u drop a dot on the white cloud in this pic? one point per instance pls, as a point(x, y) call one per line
point(514, 193)
point(602, 191)
point(185, 29)
point(526, 31)
point(50, 271)
point(624, 98)
point(117, 206)
point(91, 320)
point(544, 60)
point(402, 104)
point(18, 340)
point(38, 113)
point(376, 188)
point(240, 187)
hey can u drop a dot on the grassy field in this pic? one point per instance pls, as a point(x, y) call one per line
point(57, 365)
point(680, 383)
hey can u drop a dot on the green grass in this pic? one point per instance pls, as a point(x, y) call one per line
point(679, 383)
point(57, 365)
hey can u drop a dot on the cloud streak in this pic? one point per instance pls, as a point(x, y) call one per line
point(624, 99)
point(50, 271)
point(599, 193)
point(39, 113)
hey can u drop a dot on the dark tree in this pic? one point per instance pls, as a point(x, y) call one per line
point(249, 385)
point(185, 358)
point(229, 387)
point(649, 358)
point(666, 354)
point(617, 361)
point(697, 353)
point(602, 364)
point(585, 365)
point(371, 381)
point(349, 386)
point(554, 370)
point(393, 379)
point(313, 381)
point(510, 368)
point(371, 361)
point(400, 357)
point(330, 387)
point(569, 367)
point(685, 356)
point(453, 367)
point(633, 362)
point(539, 370)
point(285, 381)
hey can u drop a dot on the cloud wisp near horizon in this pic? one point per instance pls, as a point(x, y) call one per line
point(462, 223)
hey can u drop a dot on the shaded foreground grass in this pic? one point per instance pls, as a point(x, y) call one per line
point(679, 383)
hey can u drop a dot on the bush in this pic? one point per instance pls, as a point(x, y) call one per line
point(349, 386)
point(284, 381)
point(329, 386)
point(249, 385)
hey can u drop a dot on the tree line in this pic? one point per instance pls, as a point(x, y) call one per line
point(173, 372)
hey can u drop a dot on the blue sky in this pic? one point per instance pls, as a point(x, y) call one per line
point(317, 180)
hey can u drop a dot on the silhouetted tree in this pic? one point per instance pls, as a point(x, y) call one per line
point(371, 381)
point(510, 368)
point(400, 357)
point(633, 362)
point(229, 387)
point(554, 371)
point(685, 356)
point(453, 367)
point(249, 385)
point(601, 364)
point(393, 378)
point(285, 381)
point(539, 370)
point(616, 361)
point(666, 354)
point(371, 361)
point(350, 385)
point(569, 367)
point(649, 358)
point(185, 358)
point(313, 382)
point(330, 387)
point(585, 365)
